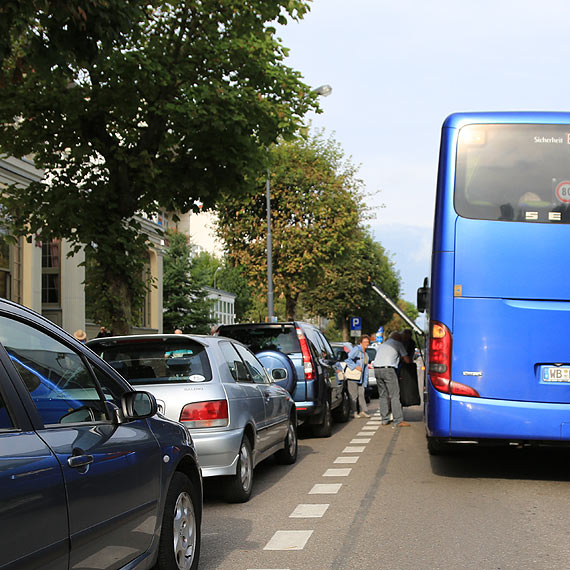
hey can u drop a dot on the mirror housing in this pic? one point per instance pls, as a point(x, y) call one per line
point(423, 297)
point(138, 405)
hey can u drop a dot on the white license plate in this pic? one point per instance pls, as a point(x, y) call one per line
point(556, 373)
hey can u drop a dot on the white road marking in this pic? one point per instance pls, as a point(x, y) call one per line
point(289, 540)
point(325, 489)
point(370, 428)
point(346, 460)
point(311, 511)
point(364, 434)
point(337, 472)
point(353, 449)
point(357, 441)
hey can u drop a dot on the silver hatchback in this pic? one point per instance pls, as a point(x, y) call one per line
point(216, 387)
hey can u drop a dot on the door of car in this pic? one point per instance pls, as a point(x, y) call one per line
point(32, 492)
point(326, 360)
point(274, 399)
point(111, 471)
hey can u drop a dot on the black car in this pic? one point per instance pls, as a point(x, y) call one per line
point(90, 476)
point(319, 391)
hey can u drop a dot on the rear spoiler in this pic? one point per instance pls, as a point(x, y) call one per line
point(394, 306)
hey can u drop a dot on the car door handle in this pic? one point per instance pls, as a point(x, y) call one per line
point(79, 460)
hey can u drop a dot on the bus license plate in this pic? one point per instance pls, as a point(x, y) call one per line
point(556, 373)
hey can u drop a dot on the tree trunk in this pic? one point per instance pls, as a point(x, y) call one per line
point(121, 299)
point(291, 306)
point(345, 331)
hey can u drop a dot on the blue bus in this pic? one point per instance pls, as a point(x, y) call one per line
point(499, 296)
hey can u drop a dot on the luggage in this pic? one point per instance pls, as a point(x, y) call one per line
point(408, 380)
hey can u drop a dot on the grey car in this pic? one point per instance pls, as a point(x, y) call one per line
point(237, 415)
point(90, 476)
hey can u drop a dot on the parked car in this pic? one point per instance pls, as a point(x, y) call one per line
point(216, 387)
point(372, 389)
point(341, 350)
point(90, 476)
point(320, 393)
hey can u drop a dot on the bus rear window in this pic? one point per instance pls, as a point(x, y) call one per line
point(515, 173)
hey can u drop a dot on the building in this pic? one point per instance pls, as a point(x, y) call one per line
point(42, 277)
point(224, 306)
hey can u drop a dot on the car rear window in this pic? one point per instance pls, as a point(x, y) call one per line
point(157, 361)
point(281, 338)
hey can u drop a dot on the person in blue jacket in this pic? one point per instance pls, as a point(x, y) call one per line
point(358, 360)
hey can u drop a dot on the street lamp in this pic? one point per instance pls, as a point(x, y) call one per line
point(217, 269)
point(322, 91)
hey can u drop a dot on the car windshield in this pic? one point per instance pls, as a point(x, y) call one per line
point(281, 338)
point(157, 361)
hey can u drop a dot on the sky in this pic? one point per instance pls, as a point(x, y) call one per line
point(398, 68)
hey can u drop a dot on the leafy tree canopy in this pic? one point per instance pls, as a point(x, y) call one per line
point(131, 107)
point(315, 207)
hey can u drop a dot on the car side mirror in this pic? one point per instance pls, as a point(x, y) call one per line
point(423, 297)
point(138, 405)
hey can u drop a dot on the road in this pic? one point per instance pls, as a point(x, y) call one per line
point(388, 504)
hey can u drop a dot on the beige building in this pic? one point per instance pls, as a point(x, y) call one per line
point(42, 277)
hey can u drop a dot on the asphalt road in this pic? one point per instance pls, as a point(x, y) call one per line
point(395, 507)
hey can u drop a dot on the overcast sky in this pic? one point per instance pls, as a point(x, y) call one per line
point(398, 68)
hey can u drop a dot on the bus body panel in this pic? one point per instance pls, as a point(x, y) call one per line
point(512, 260)
point(507, 318)
point(499, 346)
point(480, 418)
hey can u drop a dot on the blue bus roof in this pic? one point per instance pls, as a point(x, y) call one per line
point(457, 120)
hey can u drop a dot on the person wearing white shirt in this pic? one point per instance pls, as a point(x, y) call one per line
point(386, 364)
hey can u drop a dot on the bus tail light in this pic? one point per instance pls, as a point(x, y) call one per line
point(205, 414)
point(440, 363)
point(307, 360)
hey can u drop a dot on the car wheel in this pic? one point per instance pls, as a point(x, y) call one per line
point(239, 486)
point(179, 546)
point(288, 455)
point(342, 413)
point(324, 429)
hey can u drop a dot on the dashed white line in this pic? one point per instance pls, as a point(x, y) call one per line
point(325, 489)
point(346, 459)
point(352, 449)
point(289, 540)
point(337, 472)
point(311, 511)
point(367, 440)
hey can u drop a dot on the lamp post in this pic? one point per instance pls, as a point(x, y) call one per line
point(323, 91)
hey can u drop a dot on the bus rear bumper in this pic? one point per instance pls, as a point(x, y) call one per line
point(461, 417)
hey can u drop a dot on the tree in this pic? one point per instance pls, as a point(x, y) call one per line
point(133, 107)
point(396, 323)
point(315, 207)
point(344, 291)
point(185, 303)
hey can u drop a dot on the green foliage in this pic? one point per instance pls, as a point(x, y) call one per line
point(315, 207)
point(133, 107)
point(396, 323)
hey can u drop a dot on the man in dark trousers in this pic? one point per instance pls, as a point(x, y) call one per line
point(386, 364)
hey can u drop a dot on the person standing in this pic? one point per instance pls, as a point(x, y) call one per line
point(358, 360)
point(386, 363)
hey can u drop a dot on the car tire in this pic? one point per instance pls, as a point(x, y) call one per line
point(238, 489)
point(288, 455)
point(324, 429)
point(342, 413)
point(179, 546)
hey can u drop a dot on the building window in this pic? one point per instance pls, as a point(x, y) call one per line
point(4, 267)
point(51, 272)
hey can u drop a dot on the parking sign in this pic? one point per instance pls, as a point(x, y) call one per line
point(355, 326)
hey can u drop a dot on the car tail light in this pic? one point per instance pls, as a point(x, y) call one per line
point(440, 363)
point(205, 414)
point(307, 360)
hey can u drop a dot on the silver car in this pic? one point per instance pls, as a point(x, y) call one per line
point(215, 386)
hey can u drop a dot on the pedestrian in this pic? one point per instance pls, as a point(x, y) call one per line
point(177, 331)
point(103, 332)
point(358, 360)
point(386, 362)
point(80, 335)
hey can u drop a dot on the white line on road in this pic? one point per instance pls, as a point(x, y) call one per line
point(367, 440)
point(289, 540)
point(325, 489)
point(337, 472)
point(346, 460)
point(353, 449)
point(311, 511)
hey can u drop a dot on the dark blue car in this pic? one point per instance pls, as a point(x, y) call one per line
point(90, 476)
